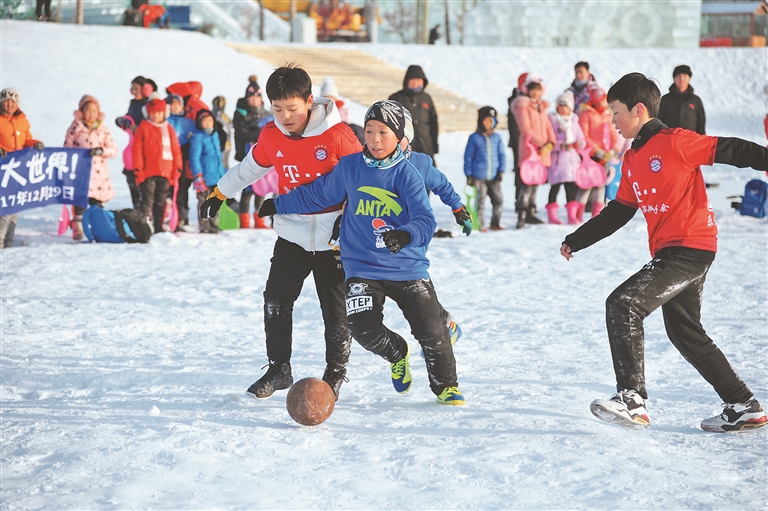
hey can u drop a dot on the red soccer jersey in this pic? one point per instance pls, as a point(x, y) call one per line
point(664, 181)
point(301, 160)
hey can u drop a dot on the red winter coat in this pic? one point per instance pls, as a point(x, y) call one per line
point(534, 122)
point(148, 152)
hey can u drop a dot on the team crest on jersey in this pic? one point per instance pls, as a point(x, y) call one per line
point(655, 164)
point(321, 153)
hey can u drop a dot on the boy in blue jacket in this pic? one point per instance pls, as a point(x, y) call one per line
point(484, 162)
point(386, 229)
point(206, 165)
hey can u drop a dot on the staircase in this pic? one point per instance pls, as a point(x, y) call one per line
point(365, 79)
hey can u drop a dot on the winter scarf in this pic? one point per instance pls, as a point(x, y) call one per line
point(566, 124)
point(388, 162)
point(167, 154)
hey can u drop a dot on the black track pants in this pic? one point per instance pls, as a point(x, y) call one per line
point(418, 301)
point(674, 281)
point(291, 265)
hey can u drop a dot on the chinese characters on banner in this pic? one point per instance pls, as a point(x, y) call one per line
point(31, 179)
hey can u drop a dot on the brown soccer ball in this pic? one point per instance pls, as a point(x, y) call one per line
point(310, 401)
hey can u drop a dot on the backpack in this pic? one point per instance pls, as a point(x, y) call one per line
point(119, 226)
point(754, 202)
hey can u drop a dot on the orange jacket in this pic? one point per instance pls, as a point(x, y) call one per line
point(148, 152)
point(14, 132)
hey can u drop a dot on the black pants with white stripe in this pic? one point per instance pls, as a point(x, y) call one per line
point(674, 281)
point(418, 301)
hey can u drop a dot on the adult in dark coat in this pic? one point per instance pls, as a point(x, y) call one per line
point(681, 108)
point(422, 109)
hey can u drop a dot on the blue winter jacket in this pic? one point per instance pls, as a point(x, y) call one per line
point(183, 126)
point(484, 156)
point(436, 180)
point(378, 200)
point(205, 157)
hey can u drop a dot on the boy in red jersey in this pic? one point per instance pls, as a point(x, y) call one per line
point(662, 178)
point(305, 141)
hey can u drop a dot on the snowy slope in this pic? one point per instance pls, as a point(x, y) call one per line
point(123, 367)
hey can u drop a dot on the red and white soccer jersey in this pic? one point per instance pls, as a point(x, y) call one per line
point(663, 179)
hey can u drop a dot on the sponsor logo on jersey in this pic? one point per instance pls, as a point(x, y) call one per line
point(655, 163)
point(356, 300)
point(379, 228)
point(321, 153)
point(384, 205)
point(279, 154)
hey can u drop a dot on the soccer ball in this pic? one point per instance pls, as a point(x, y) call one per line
point(310, 401)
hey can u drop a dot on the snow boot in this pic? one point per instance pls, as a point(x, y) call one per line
point(277, 377)
point(627, 408)
point(245, 220)
point(521, 219)
point(737, 417)
point(572, 208)
point(531, 217)
point(259, 223)
point(552, 213)
point(580, 212)
point(77, 228)
point(597, 207)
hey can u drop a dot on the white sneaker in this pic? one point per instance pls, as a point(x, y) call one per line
point(737, 417)
point(627, 408)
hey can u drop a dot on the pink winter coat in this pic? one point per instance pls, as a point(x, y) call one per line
point(564, 161)
point(599, 131)
point(533, 122)
point(79, 135)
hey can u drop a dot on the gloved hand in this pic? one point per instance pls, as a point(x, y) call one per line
point(464, 219)
point(210, 207)
point(3, 154)
point(119, 122)
point(546, 148)
point(96, 151)
point(267, 208)
point(470, 181)
point(498, 177)
point(39, 146)
point(199, 184)
point(396, 240)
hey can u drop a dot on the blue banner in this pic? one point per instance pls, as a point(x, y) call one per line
point(32, 179)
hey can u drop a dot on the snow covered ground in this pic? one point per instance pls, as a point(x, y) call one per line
point(124, 367)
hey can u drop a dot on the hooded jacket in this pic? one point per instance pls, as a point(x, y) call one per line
point(422, 110)
point(148, 156)
point(247, 123)
point(682, 110)
point(80, 135)
point(299, 160)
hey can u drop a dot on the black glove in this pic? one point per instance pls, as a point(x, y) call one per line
point(3, 154)
point(396, 240)
point(464, 219)
point(470, 181)
point(498, 177)
point(267, 208)
point(210, 206)
point(96, 151)
point(39, 146)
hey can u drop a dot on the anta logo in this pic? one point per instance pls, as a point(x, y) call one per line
point(321, 153)
point(384, 205)
point(655, 163)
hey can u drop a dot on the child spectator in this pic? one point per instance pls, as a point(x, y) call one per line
point(530, 112)
point(664, 180)
point(606, 145)
point(484, 163)
point(223, 127)
point(184, 128)
point(130, 123)
point(385, 249)
point(305, 141)
point(14, 135)
point(88, 131)
point(157, 158)
point(565, 158)
point(419, 103)
point(206, 165)
point(583, 83)
point(250, 117)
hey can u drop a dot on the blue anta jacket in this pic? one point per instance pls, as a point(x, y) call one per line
point(205, 157)
point(436, 180)
point(183, 126)
point(484, 156)
point(378, 200)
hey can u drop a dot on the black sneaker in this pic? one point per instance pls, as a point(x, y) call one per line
point(277, 377)
point(334, 378)
point(737, 417)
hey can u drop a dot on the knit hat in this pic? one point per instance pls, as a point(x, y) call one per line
point(596, 95)
point(202, 114)
point(484, 113)
point(9, 93)
point(566, 98)
point(408, 131)
point(88, 99)
point(253, 88)
point(388, 112)
point(174, 97)
point(155, 104)
point(682, 69)
point(521, 81)
point(329, 88)
point(529, 79)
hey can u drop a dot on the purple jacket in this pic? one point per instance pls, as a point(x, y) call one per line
point(564, 163)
